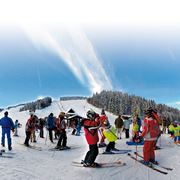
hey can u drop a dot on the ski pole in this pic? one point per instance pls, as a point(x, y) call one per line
point(136, 151)
point(38, 136)
point(46, 136)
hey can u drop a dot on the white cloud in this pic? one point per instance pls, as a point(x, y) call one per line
point(137, 12)
point(75, 49)
point(174, 104)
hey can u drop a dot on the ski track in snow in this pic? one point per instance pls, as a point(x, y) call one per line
point(30, 164)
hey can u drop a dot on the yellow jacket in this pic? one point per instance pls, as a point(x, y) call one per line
point(110, 134)
point(135, 127)
point(176, 131)
point(171, 127)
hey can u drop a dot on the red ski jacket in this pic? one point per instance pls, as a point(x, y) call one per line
point(150, 129)
point(30, 125)
point(91, 131)
point(102, 119)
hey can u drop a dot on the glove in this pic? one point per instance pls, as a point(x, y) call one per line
point(141, 139)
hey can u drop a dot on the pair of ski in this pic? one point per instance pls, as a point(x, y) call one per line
point(117, 151)
point(4, 154)
point(101, 165)
point(61, 148)
point(153, 166)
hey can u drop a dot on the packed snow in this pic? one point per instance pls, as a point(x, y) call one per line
point(31, 164)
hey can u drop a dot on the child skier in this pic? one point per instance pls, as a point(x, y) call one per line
point(135, 130)
point(16, 126)
point(78, 128)
point(102, 119)
point(171, 130)
point(91, 125)
point(110, 134)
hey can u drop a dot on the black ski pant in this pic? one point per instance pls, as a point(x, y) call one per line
point(110, 146)
point(41, 133)
point(127, 133)
point(50, 134)
point(28, 136)
point(62, 139)
point(91, 154)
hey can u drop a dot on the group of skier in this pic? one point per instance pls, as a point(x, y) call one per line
point(149, 133)
point(95, 125)
point(58, 125)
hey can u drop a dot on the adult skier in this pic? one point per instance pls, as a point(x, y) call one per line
point(91, 125)
point(150, 134)
point(61, 128)
point(127, 122)
point(51, 126)
point(7, 125)
point(30, 127)
point(119, 124)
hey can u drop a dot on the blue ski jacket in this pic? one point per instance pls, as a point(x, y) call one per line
point(6, 122)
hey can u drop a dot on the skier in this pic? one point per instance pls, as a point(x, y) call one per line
point(33, 133)
point(171, 128)
point(91, 125)
point(135, 130)
point(61, 127)
point(51, 126)
point(30, 127)
point(138, 122)
point(119, 126)
point(16, 126)
point(109, 133)
point(78, 128)
point(41, 127)
point(127, 123)
point(103, 118)
point(150, 134)
point(7, 125)
point(176, 131)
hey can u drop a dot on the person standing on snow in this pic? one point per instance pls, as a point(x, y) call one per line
point(30, 127)
point(119, 126)
point(109, 132)
point(91, 125)
point(150, 133)
point(16, 126)
point(61, 127)
point(7, 125)
point(127, 123)
point(102, 119)
point(51, 126)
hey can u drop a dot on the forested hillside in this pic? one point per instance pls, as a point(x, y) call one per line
point(123, 103)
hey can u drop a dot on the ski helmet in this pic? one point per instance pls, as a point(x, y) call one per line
point(91, 114)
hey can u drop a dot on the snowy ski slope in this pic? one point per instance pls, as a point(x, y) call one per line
point(30, 164)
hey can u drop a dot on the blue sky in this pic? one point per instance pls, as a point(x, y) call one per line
point(68, 50)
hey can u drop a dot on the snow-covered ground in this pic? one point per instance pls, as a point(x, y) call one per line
point(30, 164)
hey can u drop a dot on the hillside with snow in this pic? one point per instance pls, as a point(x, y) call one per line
point(31, 164)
